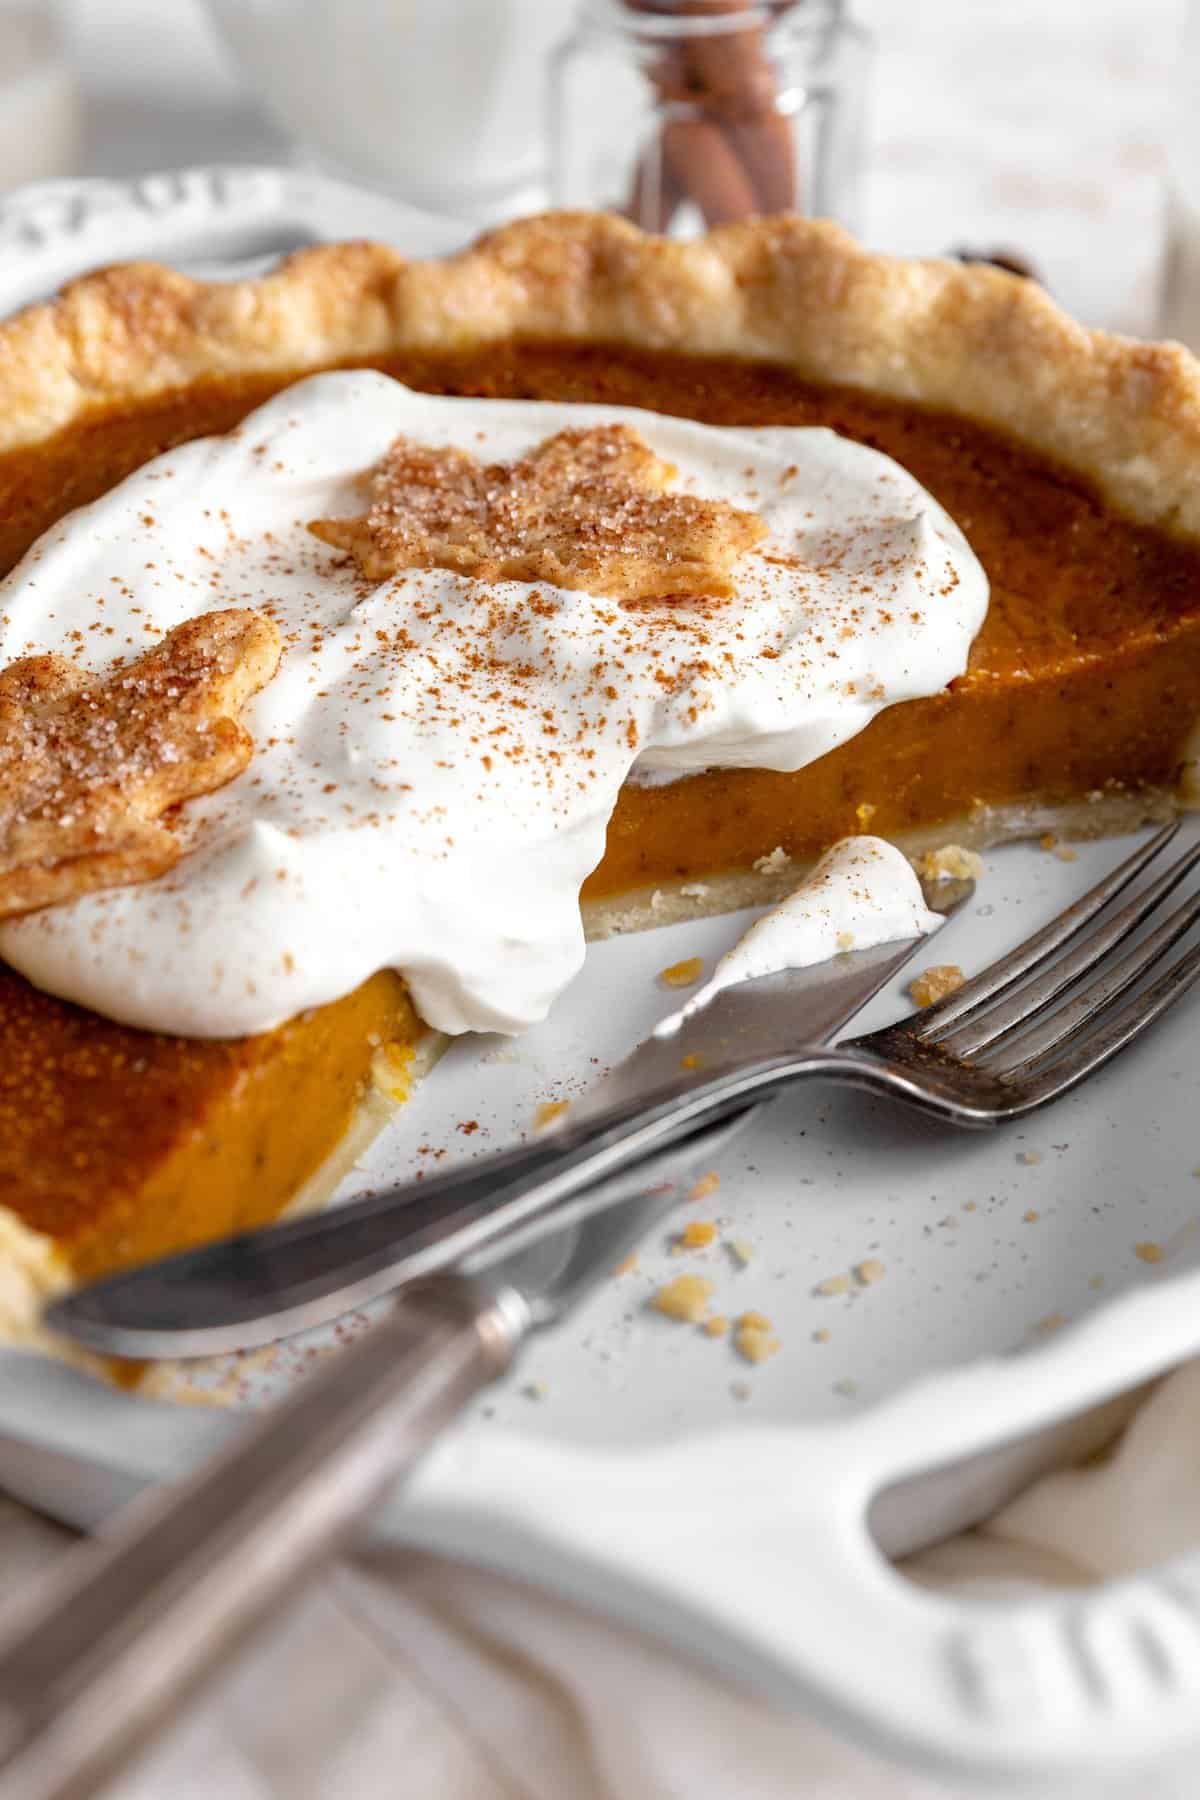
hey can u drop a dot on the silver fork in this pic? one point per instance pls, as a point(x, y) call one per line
point(999, 1047)
point(993, 1050)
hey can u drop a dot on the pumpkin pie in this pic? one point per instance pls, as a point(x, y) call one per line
point(1067, 457)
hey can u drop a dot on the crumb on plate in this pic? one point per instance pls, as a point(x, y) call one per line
point(682, 974)
point(686, 1298)
point(754, 1337)
point(870, 1271)
point(950, 862)
point(935, 983)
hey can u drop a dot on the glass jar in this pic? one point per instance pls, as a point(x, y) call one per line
point(683, 114)
point(40, 111)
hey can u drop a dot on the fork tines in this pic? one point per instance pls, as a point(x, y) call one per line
point(999, 1023)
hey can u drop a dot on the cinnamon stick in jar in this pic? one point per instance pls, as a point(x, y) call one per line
point(723, 144)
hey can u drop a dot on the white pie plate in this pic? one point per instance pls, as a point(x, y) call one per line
point(742, 1513)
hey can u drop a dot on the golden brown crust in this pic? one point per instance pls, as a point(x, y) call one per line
point(970, 339)
point(89, 766)
point(584, 509)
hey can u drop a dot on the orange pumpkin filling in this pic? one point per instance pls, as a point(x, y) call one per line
point(1084, 680)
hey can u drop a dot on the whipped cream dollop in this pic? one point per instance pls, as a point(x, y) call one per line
point(863, 892)
point(437, 760)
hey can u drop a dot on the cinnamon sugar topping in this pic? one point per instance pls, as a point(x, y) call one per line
point(585, 509)
point(88, 766)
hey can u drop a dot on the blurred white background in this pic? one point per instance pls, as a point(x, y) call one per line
point(1038, 126)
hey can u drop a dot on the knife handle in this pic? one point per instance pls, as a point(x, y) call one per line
point(126, 1623)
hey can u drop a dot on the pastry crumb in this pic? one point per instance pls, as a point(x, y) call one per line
point(534, 519)
point(1149, 1253)
point(935, 983)
point(820, 1335)
point(716, 1326)
point(691, 1061)
point(1031, 1216)
point(548, 1112)
point(1048, 841)
point(1052, 1322)
point(833, 1284)
point(686, 1298)
point(1065, 853)
point(707, 1184)
point(627, 1266)
point(694, 890)
point(754, 1337)
point(845, 940)
point(1029, 1157)
point(682, 974)
point(775, 863)
point(949, 863)
point(864, 812)
point(740, 1390)
point(970, 1206)
point(740, 1250)
point(697, 1234)
point(868, 1272)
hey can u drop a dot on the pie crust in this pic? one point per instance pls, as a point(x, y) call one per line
point(968, 340)
point(965, 337)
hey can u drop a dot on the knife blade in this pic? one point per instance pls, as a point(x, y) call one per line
point(251, 1289)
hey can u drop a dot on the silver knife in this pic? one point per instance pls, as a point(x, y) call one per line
point(127, 1624)
point(249, 1290)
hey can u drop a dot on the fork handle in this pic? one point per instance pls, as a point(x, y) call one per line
point(128, 1622)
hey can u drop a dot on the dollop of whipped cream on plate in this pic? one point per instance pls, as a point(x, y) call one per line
point(437, 759)
point(863, 892)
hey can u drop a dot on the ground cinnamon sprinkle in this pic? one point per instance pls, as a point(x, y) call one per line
point(585, 509)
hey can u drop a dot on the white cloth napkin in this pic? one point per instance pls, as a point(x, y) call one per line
point(405, 1675)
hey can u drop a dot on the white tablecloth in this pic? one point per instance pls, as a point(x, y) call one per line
point(998, 123)
point(400, 1674)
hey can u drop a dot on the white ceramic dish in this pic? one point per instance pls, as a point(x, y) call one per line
point(749, 1529)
